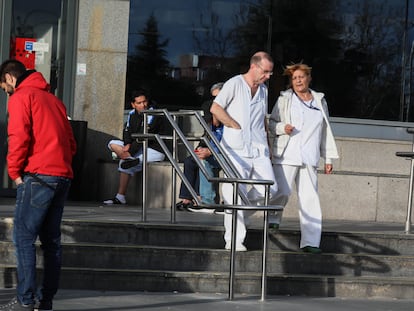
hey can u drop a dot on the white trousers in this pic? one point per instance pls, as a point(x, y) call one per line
point(258, 167)
point(152, 156)
point(310, 214)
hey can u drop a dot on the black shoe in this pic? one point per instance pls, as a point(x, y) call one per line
point(128, 163)
point(44, 306)
point(181, 206)
point(15, 305)
point(312, 250)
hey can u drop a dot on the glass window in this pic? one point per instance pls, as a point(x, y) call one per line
point(356, 48)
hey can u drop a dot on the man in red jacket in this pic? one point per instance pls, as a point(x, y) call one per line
point(40, 151)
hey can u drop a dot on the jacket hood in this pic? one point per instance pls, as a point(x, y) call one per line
point(34, 79)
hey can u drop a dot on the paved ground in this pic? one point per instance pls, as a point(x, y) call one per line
point(93, 211)
point(70, 300)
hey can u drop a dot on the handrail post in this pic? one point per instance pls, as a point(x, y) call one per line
point(410, 199)
point(144, 170)
point(233, 240)
point(264, 251)
point(174, 175)
point(410, 190)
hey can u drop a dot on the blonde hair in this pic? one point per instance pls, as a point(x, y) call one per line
point(290, 69)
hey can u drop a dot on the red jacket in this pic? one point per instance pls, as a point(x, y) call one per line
point(40, 135)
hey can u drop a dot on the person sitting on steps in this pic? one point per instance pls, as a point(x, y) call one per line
point(128, 150)
point(207, 191)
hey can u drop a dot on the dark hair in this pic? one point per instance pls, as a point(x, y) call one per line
point(138, 93)
point(12, 67)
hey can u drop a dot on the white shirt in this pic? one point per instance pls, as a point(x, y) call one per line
point(235, 97)
point(305, 140)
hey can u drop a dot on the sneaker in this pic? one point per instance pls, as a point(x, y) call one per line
point(128, 163)
point(15, 305)
point(201, 210)
point(311, 250)
point(239, 248)
point(44, 306)
point(114, 201)
point(219, 211)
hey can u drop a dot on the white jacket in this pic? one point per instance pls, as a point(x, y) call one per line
point(281, 115)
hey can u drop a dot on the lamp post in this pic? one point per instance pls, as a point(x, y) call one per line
point(403, 62)
point(410, 78)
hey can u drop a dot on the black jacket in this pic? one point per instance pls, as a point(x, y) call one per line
point(135, 125)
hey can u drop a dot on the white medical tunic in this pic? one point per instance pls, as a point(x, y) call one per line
point(236, 98)
point(305, 141)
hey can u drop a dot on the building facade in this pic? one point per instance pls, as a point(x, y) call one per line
point(87, 50)
point(81, 46)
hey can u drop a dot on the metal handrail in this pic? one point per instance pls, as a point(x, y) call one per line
point(411, 183)
point(232, 176)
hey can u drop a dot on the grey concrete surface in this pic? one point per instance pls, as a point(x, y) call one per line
point(70, 300)
point(95, 211)
point(95, 300)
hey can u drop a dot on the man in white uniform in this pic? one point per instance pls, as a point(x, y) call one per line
point(241, 107)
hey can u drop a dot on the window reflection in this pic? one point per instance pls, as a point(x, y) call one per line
point(178, 49)
point(34, 36)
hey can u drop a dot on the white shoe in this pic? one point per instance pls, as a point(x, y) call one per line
point(201, 210)
point(239, 248)
point(114, 201)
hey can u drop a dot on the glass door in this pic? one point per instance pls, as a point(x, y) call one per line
point(38, 33)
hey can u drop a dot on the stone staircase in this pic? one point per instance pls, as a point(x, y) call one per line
point(122, 256)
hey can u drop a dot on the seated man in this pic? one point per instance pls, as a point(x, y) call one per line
point(129, 150)
point(207, 191)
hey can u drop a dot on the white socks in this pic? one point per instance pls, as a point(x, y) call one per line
point(121, 197)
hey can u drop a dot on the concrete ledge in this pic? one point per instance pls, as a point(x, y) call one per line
point(359, 197)
point(159, 184)
point(370, 183)
point(360, 155)
point(347, 196)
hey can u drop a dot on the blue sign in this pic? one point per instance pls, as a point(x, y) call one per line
point(28, 46)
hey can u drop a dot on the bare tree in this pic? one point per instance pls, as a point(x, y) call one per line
point(371, 54)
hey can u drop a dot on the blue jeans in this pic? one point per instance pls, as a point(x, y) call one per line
point(208, 189)
point(191, 173)
point(38, 213)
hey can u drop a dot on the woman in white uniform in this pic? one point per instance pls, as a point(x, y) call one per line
point(301, 135)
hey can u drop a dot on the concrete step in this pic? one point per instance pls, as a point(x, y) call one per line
point(205, 236)
point(217, 282)
point(186, 259)
point(190, 258)
point(213, 282)
point(211, 237)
